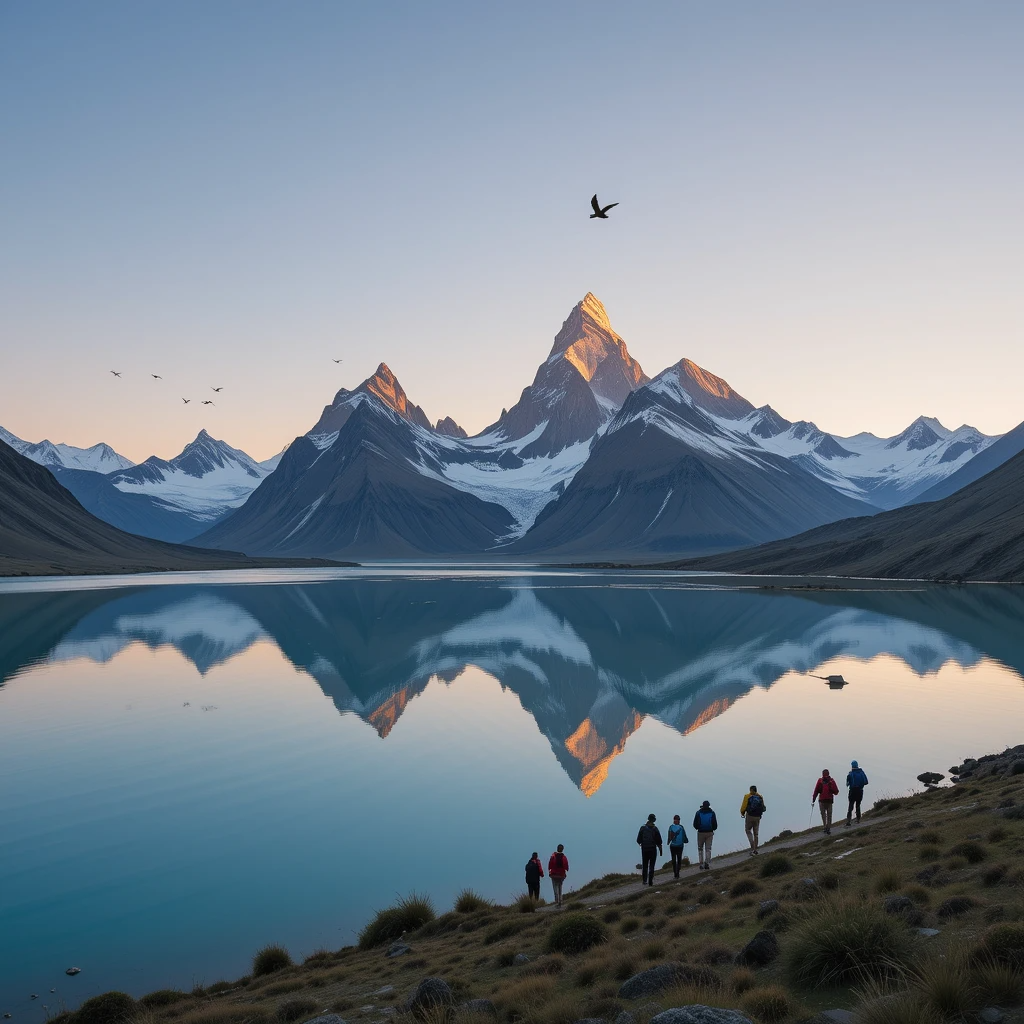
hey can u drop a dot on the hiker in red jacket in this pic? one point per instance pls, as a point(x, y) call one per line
point(826, 789)
point(558, 868)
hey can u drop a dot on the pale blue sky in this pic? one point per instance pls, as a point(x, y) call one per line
point(820, 202)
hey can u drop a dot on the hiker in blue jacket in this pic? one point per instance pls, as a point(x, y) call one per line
point(856, 780)
point(705, 822)
point(677, 839)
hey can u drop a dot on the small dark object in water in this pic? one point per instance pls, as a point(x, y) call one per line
point(72, 971)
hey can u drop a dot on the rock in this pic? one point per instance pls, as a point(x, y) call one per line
point(762, 949)
point(72, 971)
point(928, 933)
point(385, 990)
point(898, 904)
point(625, 1017)
point(520, 958)
point(810, 883)
point(480, 1006)
point(990, 1015)
point(927, 874)
point(429, 994)
point(327, 1018)
point(785, 833)
point(398, 949)
point(839, 1016)
point(930, 778)
point(657, 979)
point(954, 907)
point(591, 1020)
point(698, 1014)
point(766, 908)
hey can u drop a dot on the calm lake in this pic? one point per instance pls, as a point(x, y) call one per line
point(193, 766)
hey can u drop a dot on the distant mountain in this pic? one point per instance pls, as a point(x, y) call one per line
point(975, 534)
point(45, 531)
point(671, 473)
point(100, 458)
point(990, 458)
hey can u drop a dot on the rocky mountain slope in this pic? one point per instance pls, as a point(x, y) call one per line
point(100, 458)
point(45, 531)
point(975, 534)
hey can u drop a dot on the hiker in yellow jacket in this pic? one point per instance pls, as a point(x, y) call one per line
point(751, 809)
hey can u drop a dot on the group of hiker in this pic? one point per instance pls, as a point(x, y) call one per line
point(705, 824)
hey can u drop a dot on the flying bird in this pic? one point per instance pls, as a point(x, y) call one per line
point(338, 360)
point(156, 376)
point(115, 373)
point(186, 400)
point(206, 401)
point(599, 210)
point(217, 389)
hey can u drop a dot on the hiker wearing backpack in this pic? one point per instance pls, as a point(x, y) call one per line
point(856, 780)
point(534, 873)
point(649, 841)
point(705, 822)
point(751, 809)
point(558, 868)
point(677, 839)
point(826, 789)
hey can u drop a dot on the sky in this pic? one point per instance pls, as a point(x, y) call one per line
point(821, 203)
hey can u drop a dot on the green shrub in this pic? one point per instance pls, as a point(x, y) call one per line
point(707, 897)
point(467, 901)
point(408, 914)
point(903, 1007)
point(931, 837)
point(929, 853)
point(630, 925)
point(108, 1008)
point(777, 864)
point(1003, 944)
point(841, 942)
point(998, 834)
point(744, 887)
point(505, 959)
point(771, 1003)
point(973, 852)
point(611, 916)
point(296, 1009)
point(829, 880)
point(576, 933)
point(270, 959)
point(163, 997)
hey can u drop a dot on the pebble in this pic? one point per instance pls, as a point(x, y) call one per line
point(928, 933)
point(990, 1015)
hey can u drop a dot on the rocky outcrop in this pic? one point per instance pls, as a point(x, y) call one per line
point(429, 994)
point(760, 951)
point(699, 1014)
point(657, 979)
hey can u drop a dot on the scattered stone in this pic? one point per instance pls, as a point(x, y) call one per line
point(990, 1015)
point(72, 971)
point(927, 874)
point(398, 949)
point(930, 778)
point(520, 958)
point(428, 995)
point(928, 933)
point(762, 949)
point(839, 1016)
point(385, 990)
point(625, 1017)
point(388, 1011)
point(698, 1014)
point(954, 907)
point(327, 1018)
point(657, 979)
point(480, 1006)
point(766, 908)
point(898, 904)
point(591, 1020)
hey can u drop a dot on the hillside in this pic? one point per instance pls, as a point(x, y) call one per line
point(975, 534)
point(45, 531)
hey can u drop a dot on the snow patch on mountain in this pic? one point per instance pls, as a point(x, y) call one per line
point(100, 458)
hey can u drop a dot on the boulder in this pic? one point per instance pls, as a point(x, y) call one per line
point(990, 1015)
point(327, 1018)
point(480, 1006)
point(520, 958)
point(930, 778)
point(591, 1020)
point(625, 1017)
point(762, 949)
point(766, 908)
point(839, 1016)
point(898, 904)
point(398, 949)
point(699, 1014)
point(429, 994)
point(657, 979)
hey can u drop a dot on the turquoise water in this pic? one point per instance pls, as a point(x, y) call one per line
point(194, 766)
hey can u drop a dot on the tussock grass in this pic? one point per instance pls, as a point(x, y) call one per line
point(270, 959)
point(408, 914)
point(888, 880)
point(163, 997)
point(108, 1008)
point(1000, 983)
point(770, 1004)
point(467, 902)
point(775, 865)
point(576, 933)
point(296, 1009)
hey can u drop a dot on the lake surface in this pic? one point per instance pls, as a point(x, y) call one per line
point(196, 765)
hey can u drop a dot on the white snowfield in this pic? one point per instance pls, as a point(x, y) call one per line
point(100, 458)
point(203, 498)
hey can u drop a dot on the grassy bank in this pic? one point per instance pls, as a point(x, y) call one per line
point(916, 917)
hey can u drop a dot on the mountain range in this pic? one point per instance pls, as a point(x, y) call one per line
point(373, 645)
point(595, 460)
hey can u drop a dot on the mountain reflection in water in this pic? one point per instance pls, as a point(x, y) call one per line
point(589, 662)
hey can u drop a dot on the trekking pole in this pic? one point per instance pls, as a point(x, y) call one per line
point(811, 817)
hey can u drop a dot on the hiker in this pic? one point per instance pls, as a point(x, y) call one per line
point(649, 841)
point(677, 839)
point(751, 809)
point(534, 873)
point(825, 790)
point(558, 868)
point(705, 821)
point(856, 780)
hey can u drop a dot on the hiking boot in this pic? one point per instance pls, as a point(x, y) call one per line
point(848, 822)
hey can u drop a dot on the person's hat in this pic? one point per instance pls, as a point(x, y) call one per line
point(707, 803)
point(675, 818)
point(853, 764)
point(651, 817)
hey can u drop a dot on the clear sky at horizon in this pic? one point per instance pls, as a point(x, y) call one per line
point(820, 203)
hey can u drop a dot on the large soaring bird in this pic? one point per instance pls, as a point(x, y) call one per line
point(599, 210)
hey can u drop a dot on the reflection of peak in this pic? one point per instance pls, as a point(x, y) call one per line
point(595, 753)
point(712, 711)
point(383, 717)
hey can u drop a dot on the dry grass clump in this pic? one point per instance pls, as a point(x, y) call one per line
point(843, 942)
point(775, 865)
point(1002, 944)
point(408, 914)
point(575, 933)
point(270, 959)
point(1000, 983)
point(526, 904)
point(888, 880)
point(163, 997)
point(743, 979)
point(744, 887)
point(467, 902)
point(771, 1003)
point(108, 1008)
point(295, 1009)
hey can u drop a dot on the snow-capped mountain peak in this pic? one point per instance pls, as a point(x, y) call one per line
point(705, 390)
point(100, 458)
point(384, 386)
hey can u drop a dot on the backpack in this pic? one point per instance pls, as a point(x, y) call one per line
point(755, 805)
point(560, 861)
point(650, 835)
point(706, 819)
point(858, 778)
